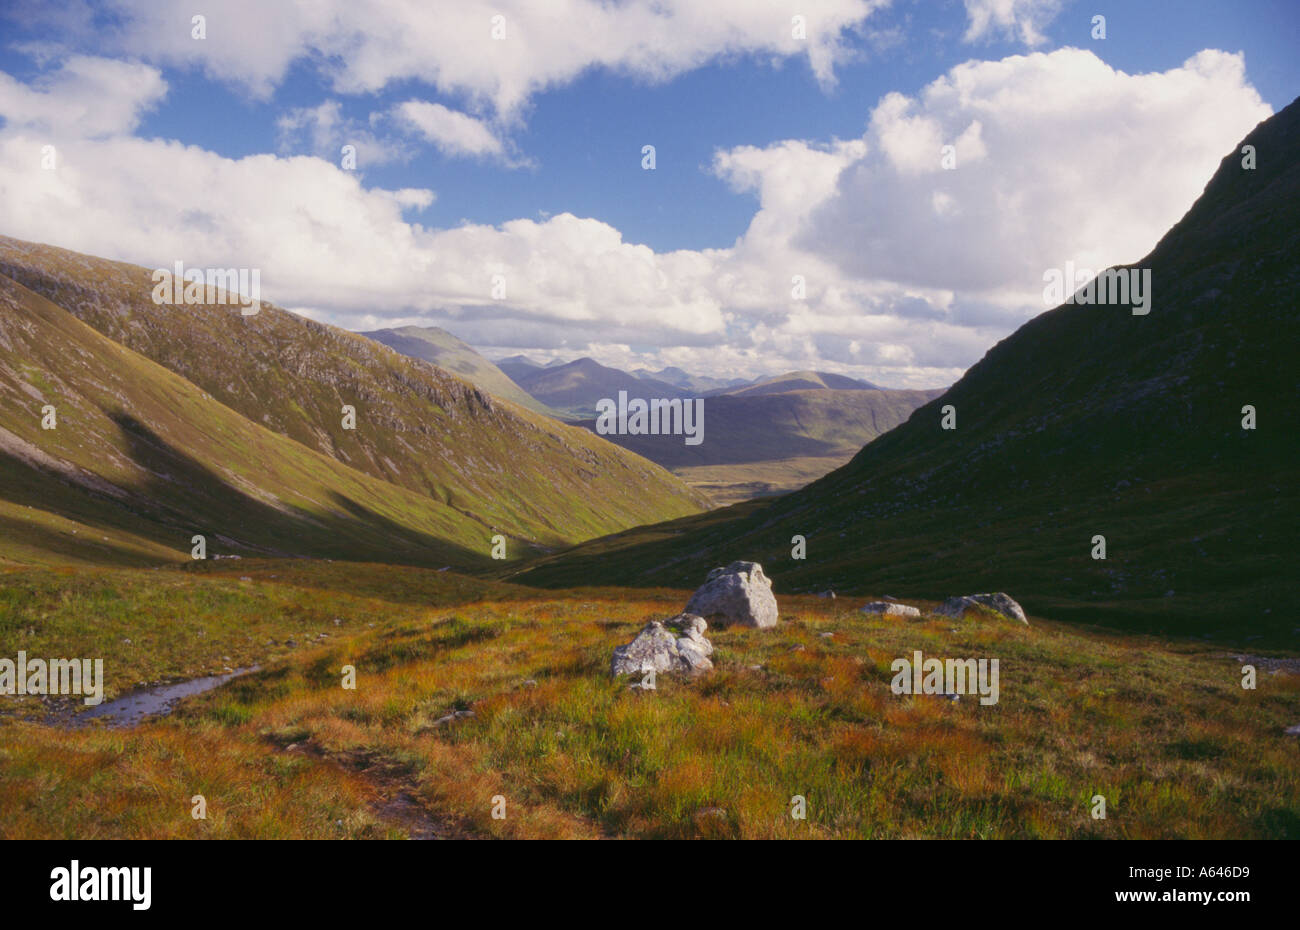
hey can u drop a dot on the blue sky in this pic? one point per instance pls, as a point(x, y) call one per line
point(570, 143)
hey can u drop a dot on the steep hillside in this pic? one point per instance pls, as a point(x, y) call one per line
point(417, 426)
point(770, 443)
point(439, 347)
point(1088, 421)
point(575, 388)
point(139, 460)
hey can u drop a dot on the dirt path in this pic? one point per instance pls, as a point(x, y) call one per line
point(396, 803)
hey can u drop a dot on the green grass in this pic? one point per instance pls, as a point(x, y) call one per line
point(1161, 728)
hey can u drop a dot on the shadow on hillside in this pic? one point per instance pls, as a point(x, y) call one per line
point(184, 497)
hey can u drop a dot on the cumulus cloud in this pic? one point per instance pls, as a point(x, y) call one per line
point(85, 96)
point(864, 255)
point(366, 45)
point(1058, 157)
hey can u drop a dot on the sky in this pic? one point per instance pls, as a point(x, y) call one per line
point(803, 210)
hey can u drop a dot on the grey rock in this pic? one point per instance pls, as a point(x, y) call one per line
point(997, 602)
point(890, 609)
point(452, 718)
point(676, 645)
point(739, 594)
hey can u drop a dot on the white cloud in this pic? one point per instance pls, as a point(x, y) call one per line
point(911, 271)
point(86, 97)
point(324, 130)
point(1059, 157)
point(366, 45)
point(1019, 20)
point(452, 132)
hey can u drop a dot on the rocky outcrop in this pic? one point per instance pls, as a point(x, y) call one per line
point(890, 609)
point(738, 594)
point(676, 645)
point(997, 602)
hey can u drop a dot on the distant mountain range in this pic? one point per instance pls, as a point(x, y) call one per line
point(574, 388)
point(800, 381)
point(1088, 426)
point(765, 436)
point(698, 384)
point(177, 420)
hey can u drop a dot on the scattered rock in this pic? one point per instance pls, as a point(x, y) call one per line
point(827, 594)
point(998, 602)
point(676, 645)
point(529, 683)
point(452, 718)
point(890, 609)
point(739, 593)
point(1293, 731)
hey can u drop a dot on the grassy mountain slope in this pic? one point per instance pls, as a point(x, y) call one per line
point(140, 460)
point(770, 443)
point(1087, 421)
point(418, 427)
point(439, 347)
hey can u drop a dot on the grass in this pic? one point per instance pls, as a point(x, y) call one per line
point(1162, 729)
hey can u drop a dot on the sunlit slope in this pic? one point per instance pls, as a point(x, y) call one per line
point(139, 461)
point(417, 426)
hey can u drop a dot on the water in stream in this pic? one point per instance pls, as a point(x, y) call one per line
point(130, 709)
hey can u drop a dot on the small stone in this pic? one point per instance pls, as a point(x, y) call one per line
point(890, 609)
point(998, 603)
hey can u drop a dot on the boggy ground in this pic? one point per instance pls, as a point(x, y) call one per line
point(1163, 730)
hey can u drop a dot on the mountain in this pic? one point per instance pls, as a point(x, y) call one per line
point(801, 381)
point(688, 382)
point(439, 347)
point(484, 465)
point(1087, 421)
point(770, 443)
point(139, 460)
point(576, 387)
point(516, 365)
